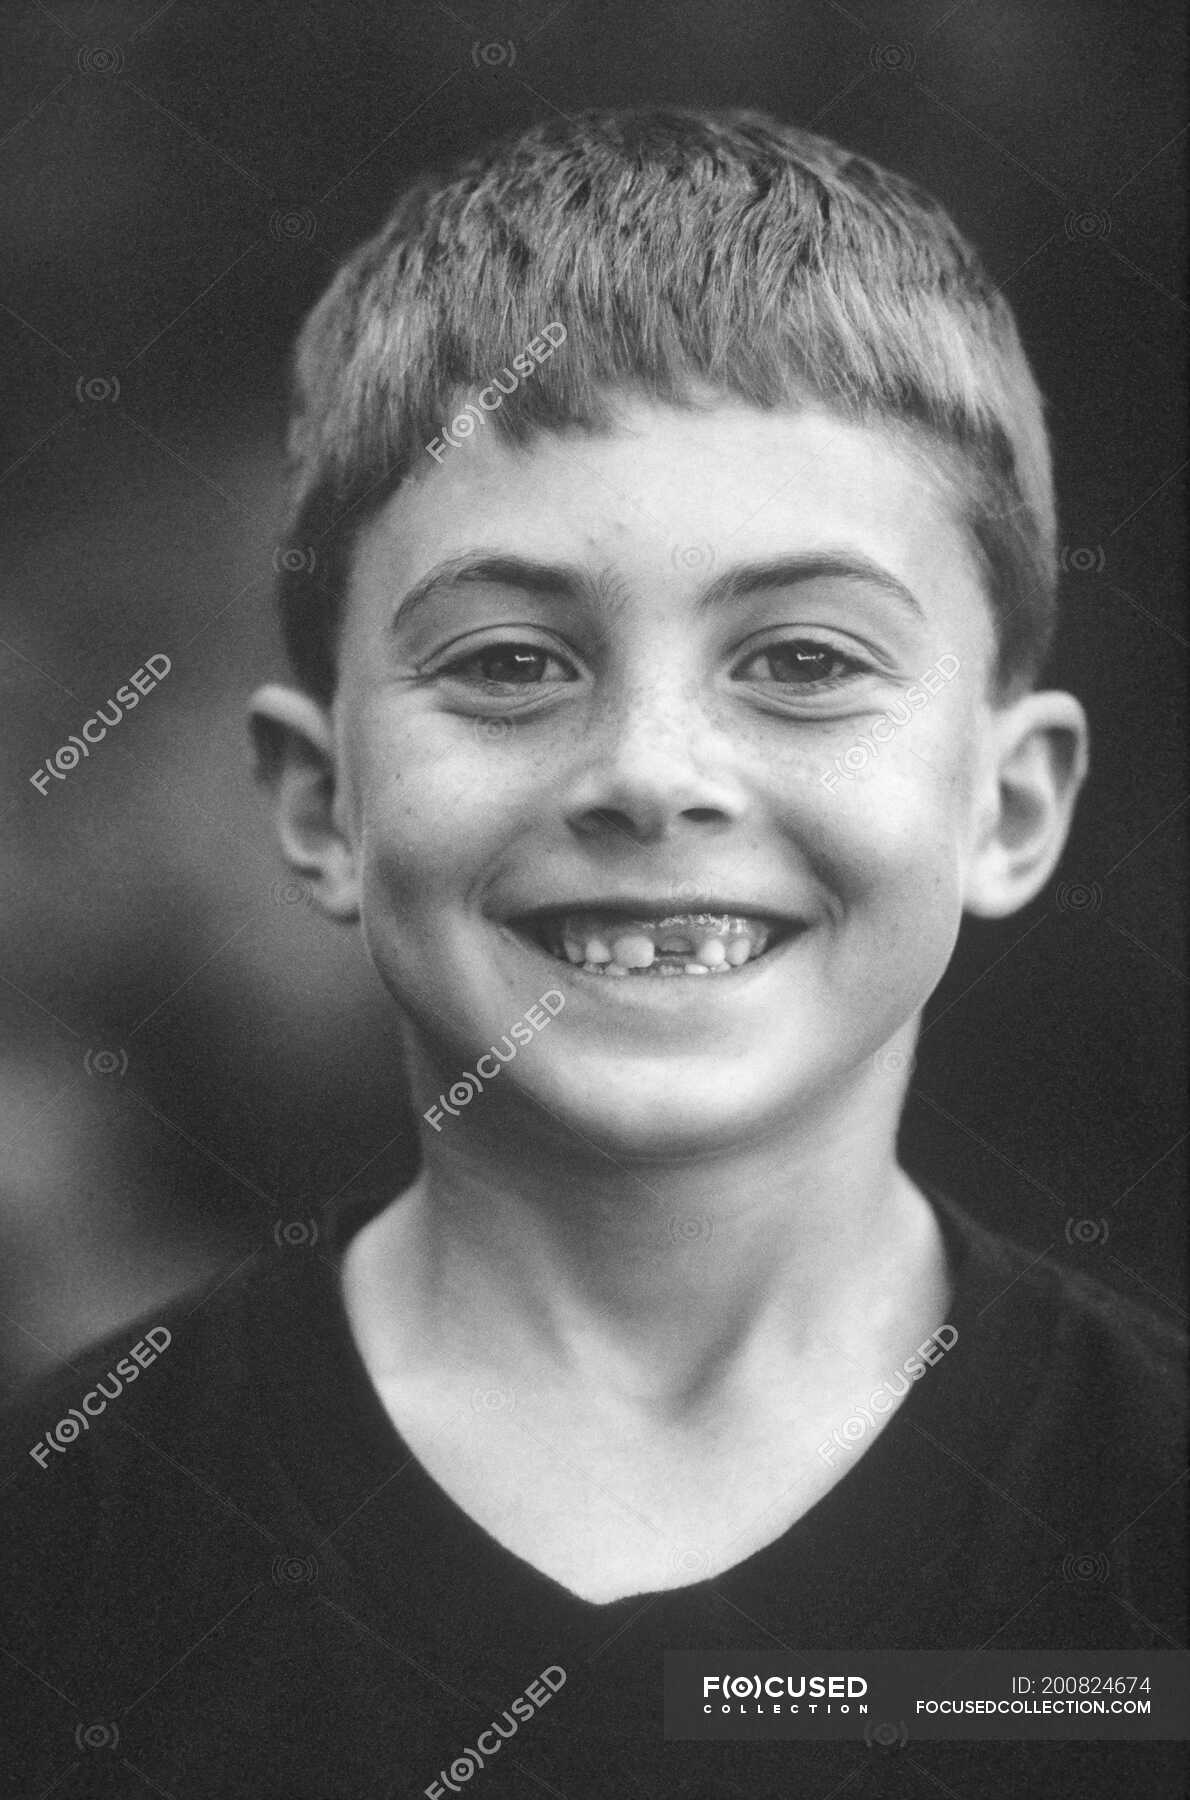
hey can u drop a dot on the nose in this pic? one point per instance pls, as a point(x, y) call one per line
point(649, 767)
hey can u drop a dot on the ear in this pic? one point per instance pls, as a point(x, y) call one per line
point(1037, 762)
point(296, 762)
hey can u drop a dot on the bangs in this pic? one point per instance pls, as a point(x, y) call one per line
point(679, 257)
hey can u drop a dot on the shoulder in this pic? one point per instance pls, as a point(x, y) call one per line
point(137, 1443)
point(139, 1372)
point(149, 1527)
point(165, 1432)
point(1081, 1329)
point(1081, 1390)
point(1074, 1405)
point(1112, 1376)
point(1072, 1329)
point(1062, 1405)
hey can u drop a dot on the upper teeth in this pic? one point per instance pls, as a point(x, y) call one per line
point(693, 943)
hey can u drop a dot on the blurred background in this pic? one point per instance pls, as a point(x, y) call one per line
point(192, 1061)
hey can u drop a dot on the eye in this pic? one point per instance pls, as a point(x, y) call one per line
point(800, 663)
point(508, 665)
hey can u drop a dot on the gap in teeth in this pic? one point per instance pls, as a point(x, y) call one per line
point(691, 944)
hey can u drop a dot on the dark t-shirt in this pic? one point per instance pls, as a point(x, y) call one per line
point(238, 1580)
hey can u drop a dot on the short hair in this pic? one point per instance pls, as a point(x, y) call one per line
point(681, 250)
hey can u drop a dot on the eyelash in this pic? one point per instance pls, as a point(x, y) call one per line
point(852, 665)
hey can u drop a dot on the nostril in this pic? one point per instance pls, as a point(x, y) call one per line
point(606, 822)
point(610, 819)
point(645, 821)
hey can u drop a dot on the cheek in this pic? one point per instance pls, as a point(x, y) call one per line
point(415, 844)
point(893, 876)
point(904, 882)
point(434, 811)
point(891, 840)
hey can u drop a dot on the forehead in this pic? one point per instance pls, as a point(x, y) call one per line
point(670, 495)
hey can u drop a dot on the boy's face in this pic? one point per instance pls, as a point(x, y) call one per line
point(658, 707)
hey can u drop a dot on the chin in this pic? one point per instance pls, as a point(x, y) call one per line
point(667, 1114)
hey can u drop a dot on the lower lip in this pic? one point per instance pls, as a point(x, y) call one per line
point(664, 990)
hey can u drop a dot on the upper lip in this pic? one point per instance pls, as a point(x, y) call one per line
point(661, 906)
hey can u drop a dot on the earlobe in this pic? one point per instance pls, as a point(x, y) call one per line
point(297, 762)
point(1037, 763)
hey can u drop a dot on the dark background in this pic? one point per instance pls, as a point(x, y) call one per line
point(193, 1060)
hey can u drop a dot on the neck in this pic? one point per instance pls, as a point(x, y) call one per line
point(660, 1280)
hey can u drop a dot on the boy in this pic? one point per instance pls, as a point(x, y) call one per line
point(673, 565)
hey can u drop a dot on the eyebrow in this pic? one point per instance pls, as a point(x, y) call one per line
point(557, 581)
point(564, 582)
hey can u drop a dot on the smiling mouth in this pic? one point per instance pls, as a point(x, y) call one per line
point(616, 942)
